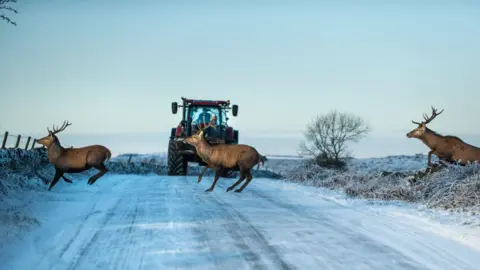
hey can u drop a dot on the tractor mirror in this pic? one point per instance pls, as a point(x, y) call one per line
point(235, 110)
point(174, 107)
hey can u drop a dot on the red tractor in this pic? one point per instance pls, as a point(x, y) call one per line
point(196, 113)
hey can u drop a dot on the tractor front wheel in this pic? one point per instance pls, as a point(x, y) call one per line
point(177, 165)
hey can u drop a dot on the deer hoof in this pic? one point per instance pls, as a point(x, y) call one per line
point(229, 189)
point(209, 190)
point(238, 190)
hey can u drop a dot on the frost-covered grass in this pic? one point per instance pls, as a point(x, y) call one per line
point(397, 178)
point(21, 169)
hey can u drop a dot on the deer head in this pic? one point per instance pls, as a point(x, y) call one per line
point(198, 137)
point(51, 137)
point(419, 132)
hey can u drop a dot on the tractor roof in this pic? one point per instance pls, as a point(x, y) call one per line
point(203, 102)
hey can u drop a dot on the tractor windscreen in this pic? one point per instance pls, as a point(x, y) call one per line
point(201, 114)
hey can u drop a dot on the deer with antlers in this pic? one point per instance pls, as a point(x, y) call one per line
point(73, 160)
point(448, 148)
point(220, 157)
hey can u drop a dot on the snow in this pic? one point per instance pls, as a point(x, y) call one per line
point(136, 217)
point(161, 222)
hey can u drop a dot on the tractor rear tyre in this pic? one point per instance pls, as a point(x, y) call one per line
point(177, 165)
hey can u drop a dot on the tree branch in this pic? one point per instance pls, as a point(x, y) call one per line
point(5, 7)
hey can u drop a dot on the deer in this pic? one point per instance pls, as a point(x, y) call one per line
point(449, 149)
point(73, 160)
point(221, 157)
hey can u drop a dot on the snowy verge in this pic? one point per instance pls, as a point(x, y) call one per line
point(22, 170)
point(399, 178)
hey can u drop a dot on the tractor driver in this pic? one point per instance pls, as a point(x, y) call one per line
point(204, 116)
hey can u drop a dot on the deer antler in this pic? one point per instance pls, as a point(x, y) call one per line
point(62, 128)
point(211, 124)
point(429, 119)
point(434, 114)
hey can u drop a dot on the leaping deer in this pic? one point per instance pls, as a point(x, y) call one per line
point(219, 157)
point(73, 160)
point(447, 148)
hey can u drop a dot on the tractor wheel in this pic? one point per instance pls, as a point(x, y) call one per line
point(177, 165)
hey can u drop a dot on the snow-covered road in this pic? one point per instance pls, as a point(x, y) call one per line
point(155, 222)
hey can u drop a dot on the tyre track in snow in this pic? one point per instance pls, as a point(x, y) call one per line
point(115, 241)
point(201, 235)
point(152, 222)
point(89, 244)
point(80, 228)
point(64, 247)
point(208, 205)
point(240, 230)
point(180, 191)
point(337, 233)
point(440, 254)
point(244, 225)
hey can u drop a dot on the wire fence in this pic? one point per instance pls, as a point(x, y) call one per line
point(14, 141)
point(18, 141)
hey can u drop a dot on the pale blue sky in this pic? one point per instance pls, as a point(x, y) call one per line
point(115, 66)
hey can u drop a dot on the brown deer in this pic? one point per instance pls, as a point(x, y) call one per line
point(448, 148)
point(221, 157)
point(73, 160)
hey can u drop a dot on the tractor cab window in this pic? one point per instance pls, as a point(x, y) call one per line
point(204, 115)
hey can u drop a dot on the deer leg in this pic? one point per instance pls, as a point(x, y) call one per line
point(57, 176)
point(201, 174)
point(102, 170)
point(443, 163)
point(249, 178)
point(217, 175)
point(242, 176)
point(66, 179)
point(430, 158)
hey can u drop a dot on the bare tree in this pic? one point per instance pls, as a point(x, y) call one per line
point(327, 136)
point(5, 6)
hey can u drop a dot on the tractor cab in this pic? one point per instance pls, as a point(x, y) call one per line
point(198, 113)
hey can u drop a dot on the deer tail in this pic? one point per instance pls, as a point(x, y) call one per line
point(109, 155)
point(261, 159)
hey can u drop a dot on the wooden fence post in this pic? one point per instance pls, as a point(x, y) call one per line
point(18, 141)
point(4, 143)
point(28, 142)
point(33, 143)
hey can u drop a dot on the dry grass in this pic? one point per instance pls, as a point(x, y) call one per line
point(453, 188)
